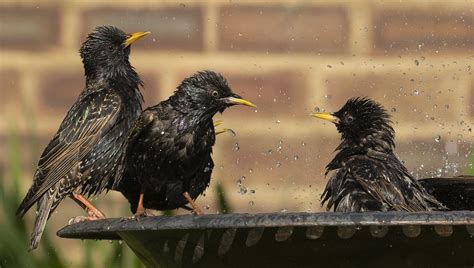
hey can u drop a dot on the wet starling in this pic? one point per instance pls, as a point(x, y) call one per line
point(170, 146)
point(367, 174)
point(131, 188)
point(84, 155)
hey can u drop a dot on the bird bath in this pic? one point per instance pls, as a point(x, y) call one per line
point(375, 239)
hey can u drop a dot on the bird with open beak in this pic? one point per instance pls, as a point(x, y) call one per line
point(169, 149)
point(367, 174)
point(84, 155)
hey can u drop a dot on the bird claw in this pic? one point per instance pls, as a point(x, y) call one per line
point(198, 212)
point(139, 215)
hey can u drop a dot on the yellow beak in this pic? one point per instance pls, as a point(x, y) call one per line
point(134, 37)
point(326, 116)
point(233, 100)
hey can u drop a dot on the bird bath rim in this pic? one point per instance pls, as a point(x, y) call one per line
point(108, 228)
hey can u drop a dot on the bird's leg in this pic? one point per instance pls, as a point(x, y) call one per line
point(91, 210)
point(140, 212)
point(196, 209)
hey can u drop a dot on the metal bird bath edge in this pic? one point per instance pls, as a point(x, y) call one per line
point(328, 239)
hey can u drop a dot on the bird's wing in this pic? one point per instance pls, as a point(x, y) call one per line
point(87, 121)
point(379, 183)
point(142, 123)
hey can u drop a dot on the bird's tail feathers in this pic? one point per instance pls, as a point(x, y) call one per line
point(43, 211)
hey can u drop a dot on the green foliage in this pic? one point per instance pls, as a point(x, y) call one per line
point(470, 168)
point(223, 204)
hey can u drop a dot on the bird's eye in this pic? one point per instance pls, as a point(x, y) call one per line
point(350, 118)
point(215, 93)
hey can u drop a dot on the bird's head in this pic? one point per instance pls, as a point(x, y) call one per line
point(360, 118)
point(208, 92)
point(106, 50)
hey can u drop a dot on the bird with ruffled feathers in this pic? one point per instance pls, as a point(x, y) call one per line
point(168, 161)
point(367, 175)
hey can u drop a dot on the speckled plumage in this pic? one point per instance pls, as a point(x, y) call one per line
point(367, 176)
point(170, 147)
point(85, 153)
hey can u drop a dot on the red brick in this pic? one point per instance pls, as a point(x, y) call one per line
point(28, 27)
point(471, 104)
point(60, 89)
point(283, 29)
point(274, 159)
point(150, 89)
point(10, 88)
point(414, 98)
point(277, 94)
point(418, 30)
point(172, 28)
point(428, 158)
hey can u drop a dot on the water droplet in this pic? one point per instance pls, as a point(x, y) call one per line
point(242, 190)
point(207, 207)
point(277, 122)
point(417, 62)
point(438, 138)
point(284, 210)
point(317, 109)
point(296, 157)
point(393, 110)
point(251, 203)
point(241, 34)
point(236, 147)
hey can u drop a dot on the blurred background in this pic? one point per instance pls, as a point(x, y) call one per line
point(288, 57)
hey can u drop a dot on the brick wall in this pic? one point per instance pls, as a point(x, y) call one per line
point(286, 56)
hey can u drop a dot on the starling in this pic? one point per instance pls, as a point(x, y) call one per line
point(168, 160)
point(84, 155)
point(130, 187)
point(367, 174)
